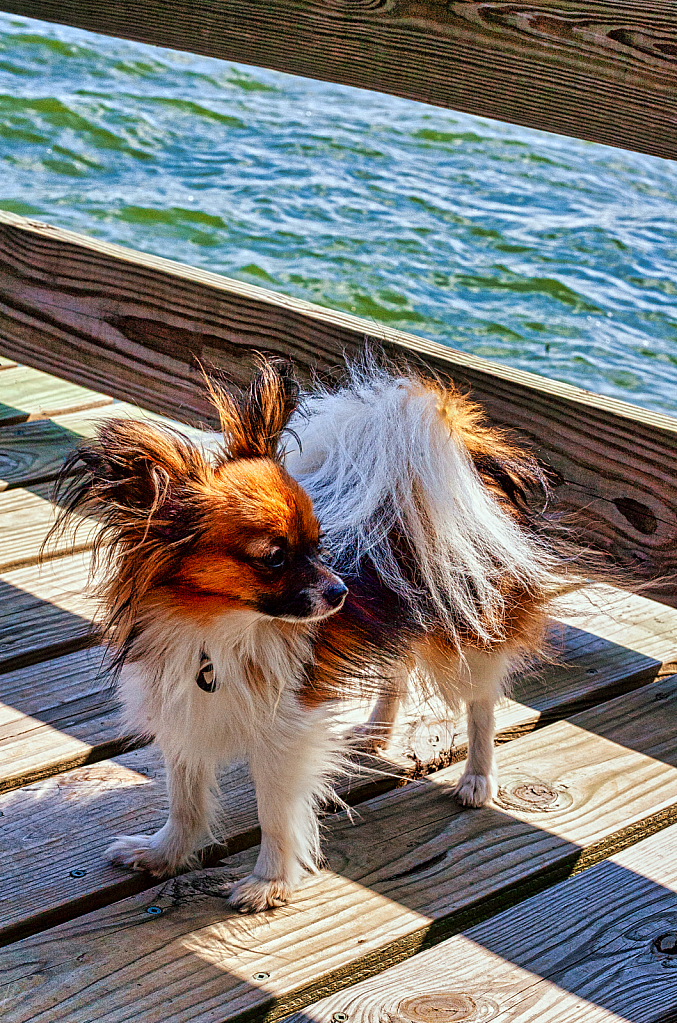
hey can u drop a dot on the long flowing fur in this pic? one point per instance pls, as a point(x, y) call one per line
point(388, 463)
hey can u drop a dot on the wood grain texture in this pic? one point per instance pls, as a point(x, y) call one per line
point(603, 70)
point(27, 394)
point(61, 714)
point(52, 720)
point(584, 949)
point(411, 869)
point(44, 611)
point(26, 516)
point(33, 452)
point(56, 715)
point(137, 327)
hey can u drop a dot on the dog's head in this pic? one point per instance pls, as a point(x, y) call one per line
point(212, 532)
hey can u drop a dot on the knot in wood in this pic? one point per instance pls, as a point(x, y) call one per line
point(666, 944)
point(442, 1007)
point(535, 794)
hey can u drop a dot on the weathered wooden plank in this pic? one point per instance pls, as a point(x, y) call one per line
point(26, 516)
point(57, 716)
point(602, 70)
point(137, 326)
point(585, 949)
point(45, 611)
point(6, 363)
point(413, 868)
point(33, 452)
point(27, 394)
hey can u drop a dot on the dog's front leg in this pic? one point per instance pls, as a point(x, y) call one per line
point(175, 845)
point(291, 780)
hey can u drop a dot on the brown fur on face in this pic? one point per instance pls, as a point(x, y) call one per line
point(210, 529)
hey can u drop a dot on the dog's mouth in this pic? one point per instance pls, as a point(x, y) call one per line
point(313, 604)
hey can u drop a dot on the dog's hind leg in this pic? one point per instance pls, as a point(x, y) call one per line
point(478, 679)
point(377, 731)
point(187, 828)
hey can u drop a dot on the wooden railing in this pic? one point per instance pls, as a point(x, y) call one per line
point(604, 70)
point(137, 326)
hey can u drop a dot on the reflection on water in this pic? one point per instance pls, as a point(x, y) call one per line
point(543, 252)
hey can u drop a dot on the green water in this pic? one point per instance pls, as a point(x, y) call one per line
point(535, 250)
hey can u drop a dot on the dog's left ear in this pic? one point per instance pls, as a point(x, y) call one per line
point(253, 422)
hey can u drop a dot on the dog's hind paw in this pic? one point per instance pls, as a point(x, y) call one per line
point(370, 738)
point(140, 852)
point(475, 789)
point(254, 894)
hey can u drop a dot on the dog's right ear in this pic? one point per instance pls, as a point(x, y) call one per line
point(128, 478)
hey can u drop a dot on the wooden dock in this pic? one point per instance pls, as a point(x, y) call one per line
point(557, 903)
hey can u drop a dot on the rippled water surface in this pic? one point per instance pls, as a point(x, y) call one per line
point(535, 250)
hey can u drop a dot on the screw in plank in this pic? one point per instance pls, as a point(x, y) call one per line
point(339, 1017)
point(154, 911)
point(78, 873)
point(261, 976)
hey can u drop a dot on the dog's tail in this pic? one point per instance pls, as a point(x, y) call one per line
point(404, 474)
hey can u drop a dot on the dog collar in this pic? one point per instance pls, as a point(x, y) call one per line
point(205, 677)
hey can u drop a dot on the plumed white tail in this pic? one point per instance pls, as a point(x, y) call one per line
point(380, 457)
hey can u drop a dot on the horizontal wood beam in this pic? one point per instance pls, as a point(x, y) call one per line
point(138, 327)
point(602, 70)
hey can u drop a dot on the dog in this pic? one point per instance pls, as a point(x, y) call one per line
point(344, 541)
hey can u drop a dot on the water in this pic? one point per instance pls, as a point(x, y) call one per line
point(535, 250)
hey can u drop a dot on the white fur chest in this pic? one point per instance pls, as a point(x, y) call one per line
point(258, 666)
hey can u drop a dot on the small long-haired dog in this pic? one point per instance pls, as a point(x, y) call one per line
point(246, 589)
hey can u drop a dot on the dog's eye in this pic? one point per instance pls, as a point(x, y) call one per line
point(275, 558)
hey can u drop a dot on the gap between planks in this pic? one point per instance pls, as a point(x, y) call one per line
point(413, 869)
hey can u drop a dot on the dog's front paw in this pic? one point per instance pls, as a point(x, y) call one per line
point(254, 894)
point(475, 789)
point(140, 852)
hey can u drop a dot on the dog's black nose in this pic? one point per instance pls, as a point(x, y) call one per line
point(335, 594)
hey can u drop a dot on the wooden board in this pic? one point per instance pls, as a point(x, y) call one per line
point(412, 868)
point(26, 515)
point(59, 714)
point(136, 326)
point(598, 70)
point(56, 715)
point(586, 948)
point(45, 611)
point(27, 394)
point(33, 452)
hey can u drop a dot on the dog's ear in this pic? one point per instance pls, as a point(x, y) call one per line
point(128, 478)
point(253, 422)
